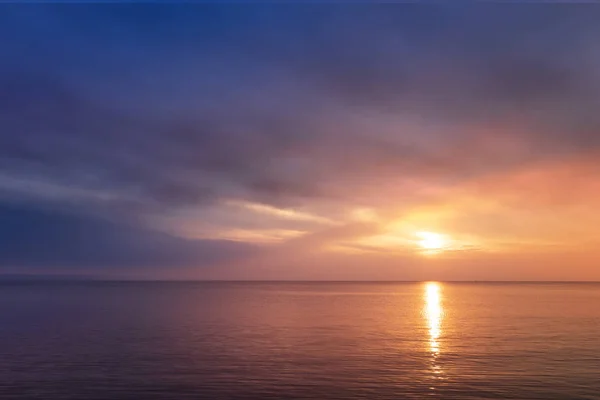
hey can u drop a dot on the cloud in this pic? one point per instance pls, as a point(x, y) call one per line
point(160, 114)
point(281, 213)
point(300, 117)
point(46, 239)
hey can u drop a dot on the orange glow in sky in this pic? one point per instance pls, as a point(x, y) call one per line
point(366, 150)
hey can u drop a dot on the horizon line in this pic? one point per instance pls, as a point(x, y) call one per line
point(46, 278)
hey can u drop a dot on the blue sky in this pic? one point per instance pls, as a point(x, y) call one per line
point(223, 141)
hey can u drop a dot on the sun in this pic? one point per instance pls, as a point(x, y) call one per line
point(431, 240)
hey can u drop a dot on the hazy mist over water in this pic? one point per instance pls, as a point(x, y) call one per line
point(159, 340)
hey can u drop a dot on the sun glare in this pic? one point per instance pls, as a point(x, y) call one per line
point(433, 314)
point(431, 241)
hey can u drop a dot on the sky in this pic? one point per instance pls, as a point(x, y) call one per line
point(300, 141)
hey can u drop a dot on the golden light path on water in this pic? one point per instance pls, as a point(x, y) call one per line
point(434, 314)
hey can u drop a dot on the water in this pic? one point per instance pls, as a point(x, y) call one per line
point(299, 340)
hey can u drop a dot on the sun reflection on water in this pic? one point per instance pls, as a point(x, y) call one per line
point(434, 315)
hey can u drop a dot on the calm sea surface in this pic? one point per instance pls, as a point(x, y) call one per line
point(299, 341)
